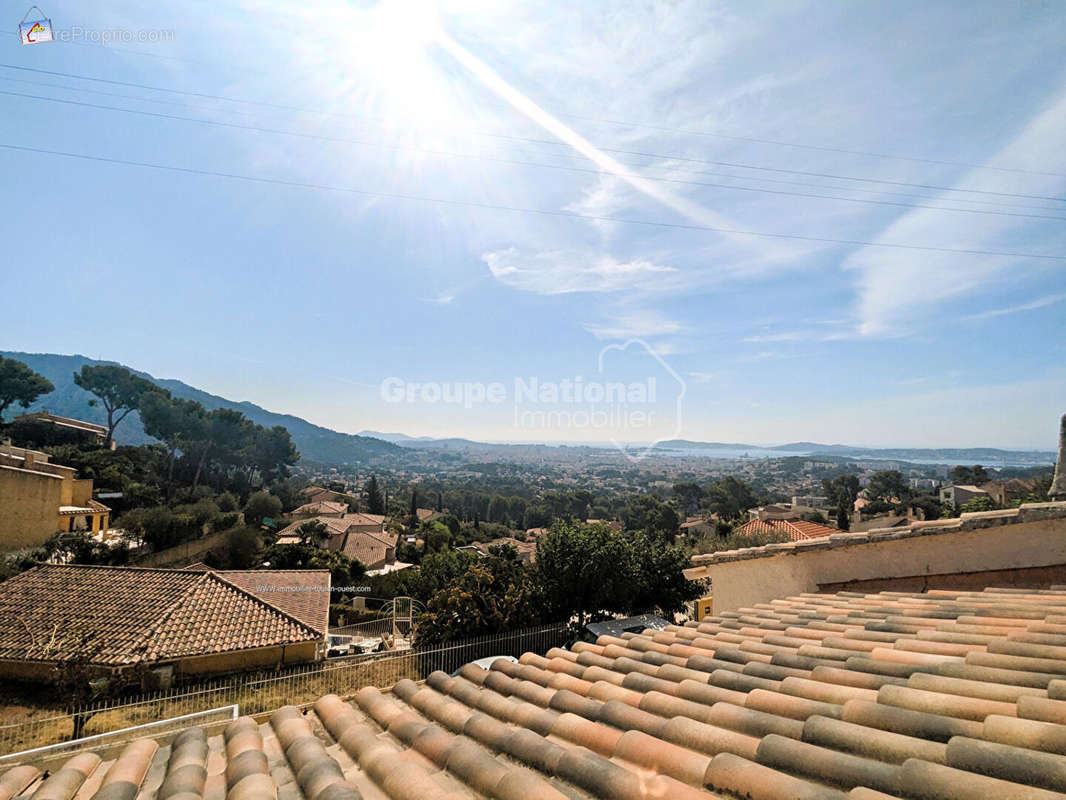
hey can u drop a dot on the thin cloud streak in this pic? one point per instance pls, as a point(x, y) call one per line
point(1041, 302)
point(638, 324)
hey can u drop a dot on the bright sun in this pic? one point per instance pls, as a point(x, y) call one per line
point(396, 50)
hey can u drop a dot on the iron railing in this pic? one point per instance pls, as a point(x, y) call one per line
point(256, 693)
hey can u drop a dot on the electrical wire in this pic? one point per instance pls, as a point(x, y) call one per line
point(480, 157)
point(568, 155)
point(525, 210)
point(555, 143)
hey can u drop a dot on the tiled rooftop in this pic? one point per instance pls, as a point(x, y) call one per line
point(117, 616)
point(370, 550)
point(320, 507)
point(302, 593)
point(795, 529)
point(935, 696)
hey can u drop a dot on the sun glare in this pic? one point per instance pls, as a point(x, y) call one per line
point(396, 51)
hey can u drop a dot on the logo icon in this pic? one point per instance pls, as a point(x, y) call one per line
point(661, 418)
point(35, 31)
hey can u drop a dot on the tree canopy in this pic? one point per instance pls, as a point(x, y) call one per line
point(222, 444)
point(375, 503)
point(975, 475)
point(20, 384)
point(345, 571)
point(888, 485)
point(261, 506)
point(490, 595)
point(648, 513)
point(589, 572)
point(729, 498)
point(117, 389)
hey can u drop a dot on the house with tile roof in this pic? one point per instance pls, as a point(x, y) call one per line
point(956, 495)
point(39, 498)
point(175, 622)
point(428, 514)
point(794, 529)
point(697, 526)
point(773, 511)
point(49, 429)
point(374, 551)
point(360, 536)
point(316, 494)
point(320, 508)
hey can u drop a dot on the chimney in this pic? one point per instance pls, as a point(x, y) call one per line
point(1058, 486)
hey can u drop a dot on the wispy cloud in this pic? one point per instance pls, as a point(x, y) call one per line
point(787, 336)
point(562, 272)
point(703, 377)
point(1047, 300)
point(900, 289)
point(760, 356)
point(441, 299)
point(636, 324)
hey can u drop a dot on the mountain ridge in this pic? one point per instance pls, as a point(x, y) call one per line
point(314, 442)
point(326, 446)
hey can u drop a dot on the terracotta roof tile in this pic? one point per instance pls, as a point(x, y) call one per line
point(302, 593)
point(370, 550)
point(795, 529)
point(118, 615)
point(320, 507)
point(712, 716)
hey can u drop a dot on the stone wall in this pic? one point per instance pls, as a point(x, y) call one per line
point(185, 553)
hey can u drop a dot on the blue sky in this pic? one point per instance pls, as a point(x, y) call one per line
point(304, 300)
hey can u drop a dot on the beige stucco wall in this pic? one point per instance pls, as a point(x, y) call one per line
point(216, 663)
point(1019, 545)
point(29, 507)
point(249, 659)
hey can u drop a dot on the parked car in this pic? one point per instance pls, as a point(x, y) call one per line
point(340, 645)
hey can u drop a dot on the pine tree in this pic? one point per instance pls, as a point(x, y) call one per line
point(842, 518)
point(374, 502)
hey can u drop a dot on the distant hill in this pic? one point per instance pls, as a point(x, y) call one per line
point(314, 442)
point(688, 444)
point(426, 442)
point(989, 456)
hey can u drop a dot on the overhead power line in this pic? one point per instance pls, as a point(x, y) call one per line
point(525, 210)
point(626, 124)
point(516, 162)
point(556, 143)
point(570, 156)
point(822, 148)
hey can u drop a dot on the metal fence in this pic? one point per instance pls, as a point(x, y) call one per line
point(368, 629)
point(256, 693)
